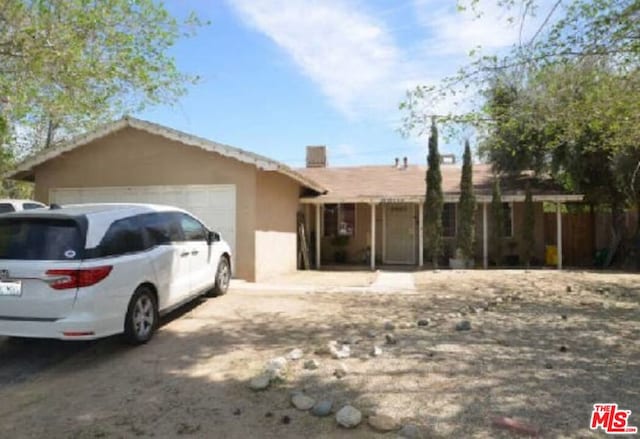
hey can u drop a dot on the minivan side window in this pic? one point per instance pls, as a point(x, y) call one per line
point(6, 207)
point(161, 228)
point(123, 236)
point(29, 206)
point(192, 228)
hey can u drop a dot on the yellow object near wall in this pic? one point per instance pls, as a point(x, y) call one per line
point(551, 255)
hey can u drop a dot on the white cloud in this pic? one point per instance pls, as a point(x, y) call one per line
point(345, 51)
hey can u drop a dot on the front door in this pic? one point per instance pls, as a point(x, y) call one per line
point(400, 234)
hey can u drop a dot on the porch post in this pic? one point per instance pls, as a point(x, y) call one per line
point(384, 232)
point(485, 247)
point(420, 234)
point(559, 233)
point(318, 235)
point(373, 236)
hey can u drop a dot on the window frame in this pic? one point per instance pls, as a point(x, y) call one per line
point(511, 224)
point(339, 218)
point(204, 228)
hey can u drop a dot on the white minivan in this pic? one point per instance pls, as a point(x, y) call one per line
point(82, 272)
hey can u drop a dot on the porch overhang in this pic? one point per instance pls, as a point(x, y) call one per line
point(448, 198)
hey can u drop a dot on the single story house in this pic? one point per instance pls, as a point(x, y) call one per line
point(256, 203)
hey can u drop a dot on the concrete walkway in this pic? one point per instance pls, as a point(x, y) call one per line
point(386, 282)
point(393, 281)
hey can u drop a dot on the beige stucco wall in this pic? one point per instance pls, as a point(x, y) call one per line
point(277, 204)
point(135, 158)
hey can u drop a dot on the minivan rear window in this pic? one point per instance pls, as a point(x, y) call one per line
point(40, 239)
point(6, 207)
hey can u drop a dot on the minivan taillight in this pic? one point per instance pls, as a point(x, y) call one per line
point(65, 279)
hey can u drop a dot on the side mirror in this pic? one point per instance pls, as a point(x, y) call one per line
point(212, 237)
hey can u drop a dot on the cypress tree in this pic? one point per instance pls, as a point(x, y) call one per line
point(497, 222)
point(466, 206)
point(434, 199)
point(528, 226)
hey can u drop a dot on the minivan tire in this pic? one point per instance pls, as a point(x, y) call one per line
point(223, 276)
point(142, 316)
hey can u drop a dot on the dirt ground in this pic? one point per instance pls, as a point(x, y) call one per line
point(543, 347)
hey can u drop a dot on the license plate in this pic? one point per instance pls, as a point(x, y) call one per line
point(12, 288)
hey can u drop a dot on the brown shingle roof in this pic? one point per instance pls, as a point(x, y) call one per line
point(388, 182)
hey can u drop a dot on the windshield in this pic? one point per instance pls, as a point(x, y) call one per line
point(40, 239)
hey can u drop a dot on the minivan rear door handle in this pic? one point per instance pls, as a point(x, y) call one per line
point(184, 254)
point(194, 252)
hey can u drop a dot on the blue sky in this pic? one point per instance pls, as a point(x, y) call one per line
point(278, 75)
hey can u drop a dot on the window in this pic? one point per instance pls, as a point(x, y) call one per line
point(507, 212)
point(29, 206)
point(40, 239)
point(123, 236)
point(192, 229)
point(161, 228)
point(339, 219)
point(449, 220)
point(6, 207)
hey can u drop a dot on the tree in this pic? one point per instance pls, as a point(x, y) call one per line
point(528, 227)
point(434, 198)
point(79, 63)
point(497, 221)
point(466, 206)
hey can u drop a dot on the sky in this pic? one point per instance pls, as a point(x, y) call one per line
point(278, 75)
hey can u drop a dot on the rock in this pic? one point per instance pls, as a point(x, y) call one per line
point(563, 317)
point(340, 371)
point(423, 322)
point(390, 339)
point(311, 364)
point(388, 326)
point(295, 354)
point(237, 412)
point(286, 419)
point(405, 325)
point(261, 382)
point(376, 351)
point(548, 365)
point(302, 402)
point(409, 431)
point(339, 351)
point(563, 349)
point(569, 289)
point(372, 334)
point(383, 422)
point(464, 325)
point(276, 368)
point(498, 299)
point(322, 408)
point(348, 417)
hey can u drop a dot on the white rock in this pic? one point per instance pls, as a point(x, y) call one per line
point(348, 416)
point(382, 422)
point(339, 351)
point(302, 401)
point(311, 364)
point(376, 351)
point(409, 431)
point(295, 354)
point(276, 368)
point(260, 382)
point(340, 371)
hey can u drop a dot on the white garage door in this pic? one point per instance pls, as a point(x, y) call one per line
point(213, 204)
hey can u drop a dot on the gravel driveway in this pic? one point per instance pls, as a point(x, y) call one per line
point(543, 347)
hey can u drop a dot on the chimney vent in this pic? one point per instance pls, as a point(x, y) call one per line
point(405, 162)
point(397, 165)
point(316, 156)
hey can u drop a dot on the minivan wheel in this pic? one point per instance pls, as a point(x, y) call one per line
point(223, 276)
point(142, 316)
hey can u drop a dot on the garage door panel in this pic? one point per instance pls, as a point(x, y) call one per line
point(215, 205)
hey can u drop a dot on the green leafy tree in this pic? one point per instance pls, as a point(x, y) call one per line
point(434, 199)
point(66, 66)
point(497, 222)
point(466, 206)
point(528, 227)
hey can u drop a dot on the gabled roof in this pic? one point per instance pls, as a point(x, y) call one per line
point(392, 184)
point(24, 170)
